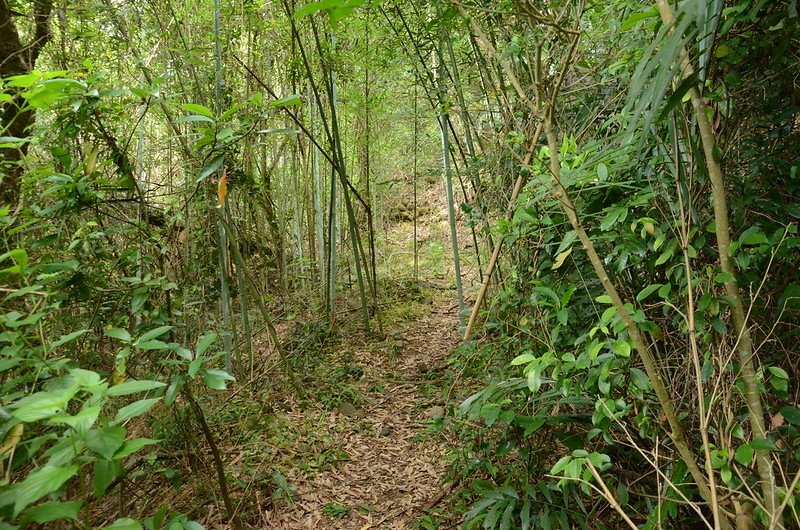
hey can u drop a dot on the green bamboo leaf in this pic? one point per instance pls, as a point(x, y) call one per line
point(124, 524)
point(633, 20)
point(67, 338)
point(39, 483)
point(106, 441)
point(215, 379)
point(133, 446)
point(198, 109)
point(51, 511)
point(119, 334)
point(211, 167)
point(155, 333)
point(288, 101)
point(677, 97)
point(105, 471)
point(153, 345)
point(647, 291)
point(203, 344)
point(137, 408)
point(132, 387)
point(194, 118)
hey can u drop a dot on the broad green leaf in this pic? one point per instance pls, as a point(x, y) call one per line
point(664, 257)
point(560, 465)
point(124, 524)
point(726, 474)
point(133, 446)
point(647, 291)
point(610, 218)
point(154, 333)
point(104, 472)
point(288, 101)
point(724, 277)
point(194, 118)
point(206, 341)
point(778, 372)
point(85, 378)
point(51, 511)
point(753, 236)
point(763, 444)
point(137, 408)
point(198, 109)
point(41, 405)
point(640, 379)
point(602, 172)
point(522, 359)
point(106, 441)
point(39, 483)
point(152, 345)
point(744, 454)
point(119, 334)
point(132, 387)
point(791, 414)
point(534, 380)
point(603, 299)
point(216, 379)
point(211, 167)
point(81, 421)
point(622, 347)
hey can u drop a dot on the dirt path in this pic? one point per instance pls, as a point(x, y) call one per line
point(395, 466)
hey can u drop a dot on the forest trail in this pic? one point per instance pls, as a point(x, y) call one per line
point(394, 461)
point(395, 469)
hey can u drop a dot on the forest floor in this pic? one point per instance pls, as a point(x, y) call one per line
point(393, 463)
point(368, 447)
point(391, 454)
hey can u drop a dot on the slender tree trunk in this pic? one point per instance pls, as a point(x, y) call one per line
point(18, 58)
point(744, 341)
point(451, 211)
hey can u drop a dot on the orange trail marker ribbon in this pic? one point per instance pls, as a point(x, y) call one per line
point(222, 188)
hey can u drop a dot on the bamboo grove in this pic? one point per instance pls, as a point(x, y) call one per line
point(200, 197)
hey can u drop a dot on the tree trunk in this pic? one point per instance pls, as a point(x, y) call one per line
point(18, 59)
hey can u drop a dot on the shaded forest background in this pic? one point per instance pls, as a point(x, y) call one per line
point(202, 200)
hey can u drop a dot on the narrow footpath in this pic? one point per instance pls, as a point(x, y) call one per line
point(395, 464)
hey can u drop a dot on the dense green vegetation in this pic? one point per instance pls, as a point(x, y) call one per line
point(207, 208)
